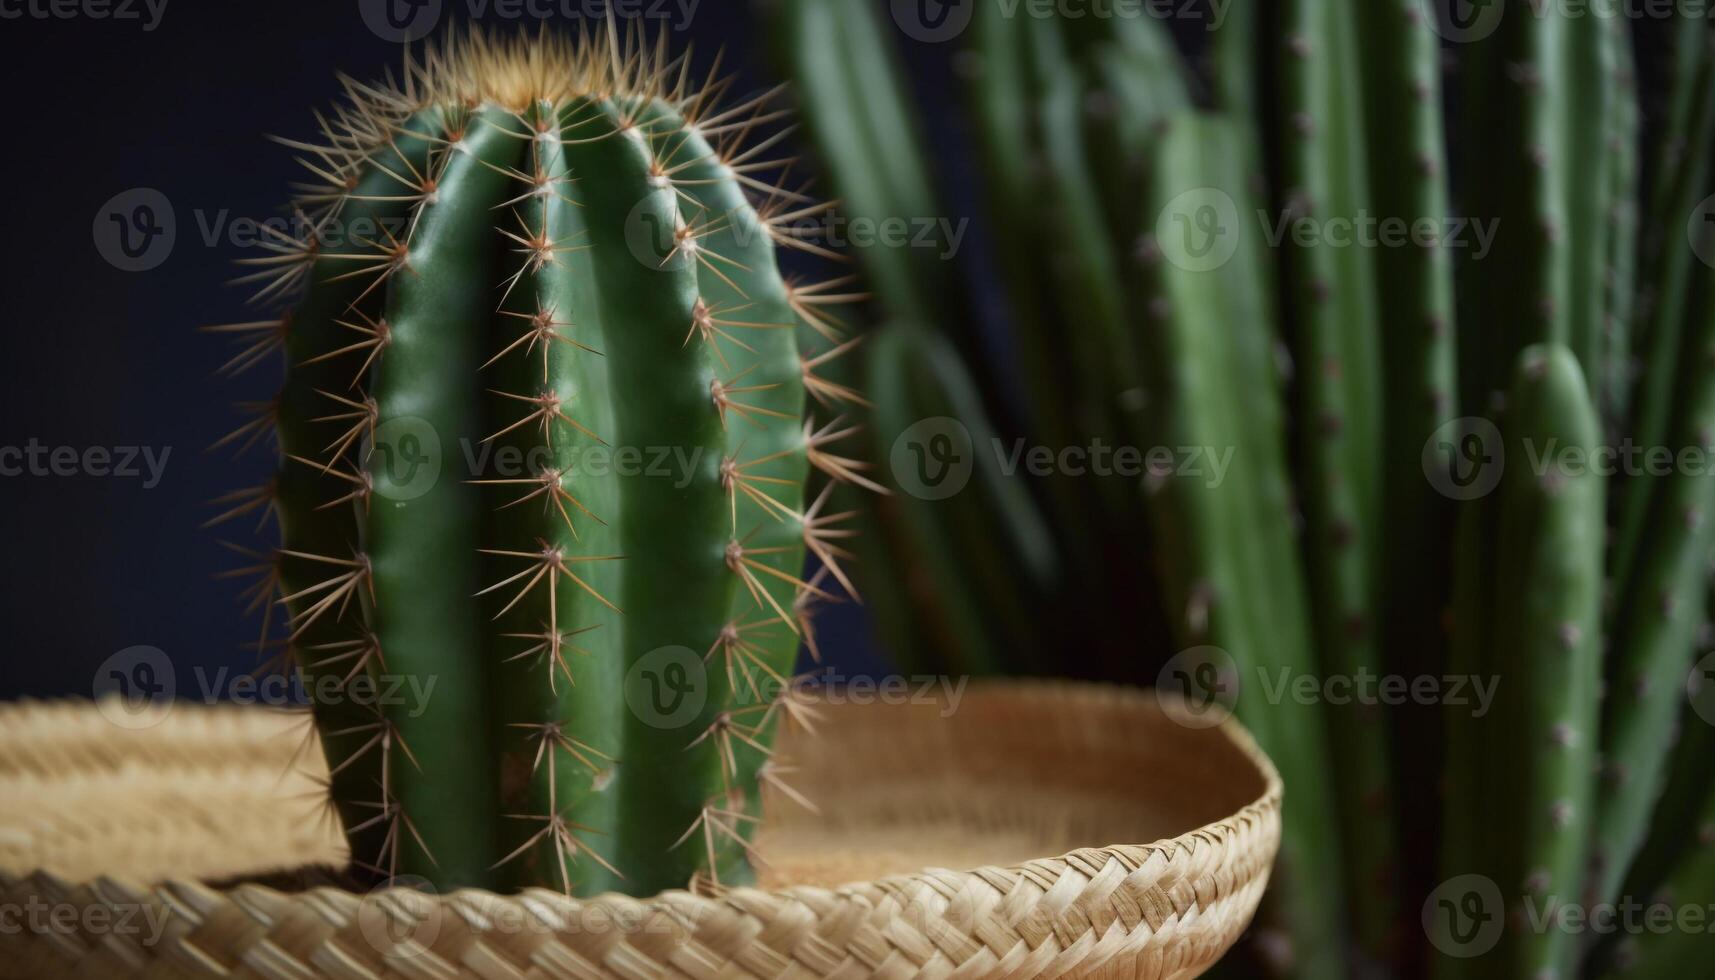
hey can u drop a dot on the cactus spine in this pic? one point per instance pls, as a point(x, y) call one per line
point(569, 264)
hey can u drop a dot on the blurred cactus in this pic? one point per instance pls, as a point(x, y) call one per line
point(1131, 202)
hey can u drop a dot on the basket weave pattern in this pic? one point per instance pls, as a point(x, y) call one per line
point(100, 825)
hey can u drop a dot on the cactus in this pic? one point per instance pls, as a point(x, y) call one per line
point(1332, 307)
point(1541, 636)
point(1332, 548)
point(1678, 952)
point(1678, 868)
point(568, 263)
point(1402, 72)
point(943, 543)
point(1228, 559)
point(1657, 622)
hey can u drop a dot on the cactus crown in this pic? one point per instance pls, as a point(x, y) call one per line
point(544, 438)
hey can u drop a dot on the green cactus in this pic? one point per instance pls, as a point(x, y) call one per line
point(1332, 548)
point(938, 528)
point(1658, 617)
point(1402, 73)
point(1333, 308)
point(1541, 638)
point(1678, 868)
point(1228, 558)
point(1681, 177)
point(1683, 950)
point(1690, 779)
point(599, 647)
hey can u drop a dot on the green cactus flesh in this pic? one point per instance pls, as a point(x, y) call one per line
point(1332, 300)
point(1657, 618)
point(569, 275)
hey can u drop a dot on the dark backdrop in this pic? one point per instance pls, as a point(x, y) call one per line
point(95, 356)
point(99, 357)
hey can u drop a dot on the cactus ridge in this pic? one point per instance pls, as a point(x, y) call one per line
point(575, 254)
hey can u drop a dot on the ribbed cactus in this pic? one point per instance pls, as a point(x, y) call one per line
point(569, 274)
point(1368, 525)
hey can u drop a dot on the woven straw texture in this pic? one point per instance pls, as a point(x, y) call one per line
point(192, 848)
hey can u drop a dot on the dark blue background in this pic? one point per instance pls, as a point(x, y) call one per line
point(94, 356)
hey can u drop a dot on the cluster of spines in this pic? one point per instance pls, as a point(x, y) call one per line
point(406, 133)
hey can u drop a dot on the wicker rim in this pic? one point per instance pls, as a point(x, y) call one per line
point(1167, 909)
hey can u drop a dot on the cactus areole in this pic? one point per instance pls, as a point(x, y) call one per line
point(544, 441)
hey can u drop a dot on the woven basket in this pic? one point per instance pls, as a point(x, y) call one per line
point(191, 849)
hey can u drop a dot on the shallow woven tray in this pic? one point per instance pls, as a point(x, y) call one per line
point(110, 836)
